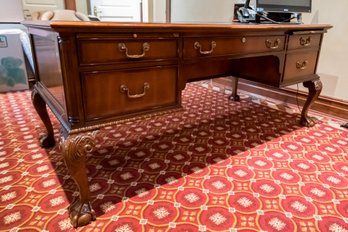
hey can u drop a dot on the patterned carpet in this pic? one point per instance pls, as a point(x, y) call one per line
point(215, 165)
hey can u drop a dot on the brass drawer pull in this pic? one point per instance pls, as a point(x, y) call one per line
point(301, 65)
point(273, 45)
point(123, 47)
point(197, 45)
point(305, 42)
point(125, 89)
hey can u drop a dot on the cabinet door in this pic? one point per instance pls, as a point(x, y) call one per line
point(117, 10)
point(31, 6)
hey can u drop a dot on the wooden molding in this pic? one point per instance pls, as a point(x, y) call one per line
point(89, 10)
point(168, 11)
point(70, 4)
point(327, 105)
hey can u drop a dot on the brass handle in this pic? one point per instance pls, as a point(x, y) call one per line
point(123, 47)
point(305, 42)
point(125, 89)
point(197, 45)
point(302, 65)
point(272, 45)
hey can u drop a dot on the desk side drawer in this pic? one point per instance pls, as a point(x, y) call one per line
point(210, 47)
point(115, 50)
point(304, 41)
point(119, 92)
point(299, 65)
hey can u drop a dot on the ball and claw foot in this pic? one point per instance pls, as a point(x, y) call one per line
point(81, 214)
point(235, 97)
point(47, 141)
point(345, 125)
point(307, 122)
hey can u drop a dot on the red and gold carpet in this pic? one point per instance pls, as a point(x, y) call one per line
point(215, 165)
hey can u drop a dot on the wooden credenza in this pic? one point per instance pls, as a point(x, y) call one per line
point(92, 74)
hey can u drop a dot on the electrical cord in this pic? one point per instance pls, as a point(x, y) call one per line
point(297, 102)
point(264, 16)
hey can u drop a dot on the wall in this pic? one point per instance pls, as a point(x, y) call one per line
point(332, 68)
point(158, 10)
point(81, 6)
point(196, 11)
point(11, 13)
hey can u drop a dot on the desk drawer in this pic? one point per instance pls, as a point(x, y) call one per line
point(114, 50)
point(299, 65)
point(215, 46)
point(113, 93)
point(304, 41)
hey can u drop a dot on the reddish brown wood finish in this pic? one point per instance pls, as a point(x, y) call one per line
point(232, 46)
point(299, 64)
point(103, 98)
point(109, 49)
point(70, 4)
point(101, 72)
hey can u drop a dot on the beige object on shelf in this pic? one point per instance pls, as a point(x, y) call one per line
point(61, 15)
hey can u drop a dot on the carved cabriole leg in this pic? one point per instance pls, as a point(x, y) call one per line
point(74, 149)
point(234, 96)
point(46, 141)
point(314, 89)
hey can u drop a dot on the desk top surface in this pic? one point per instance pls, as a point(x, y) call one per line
point(179, 27)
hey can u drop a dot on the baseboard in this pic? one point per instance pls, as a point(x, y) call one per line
point(326, 105)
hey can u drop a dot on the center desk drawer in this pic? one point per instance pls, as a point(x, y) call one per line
point(215, 46)
point(119, 92)
point(114, 50)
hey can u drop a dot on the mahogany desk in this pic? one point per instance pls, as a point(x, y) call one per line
point(91, 74)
